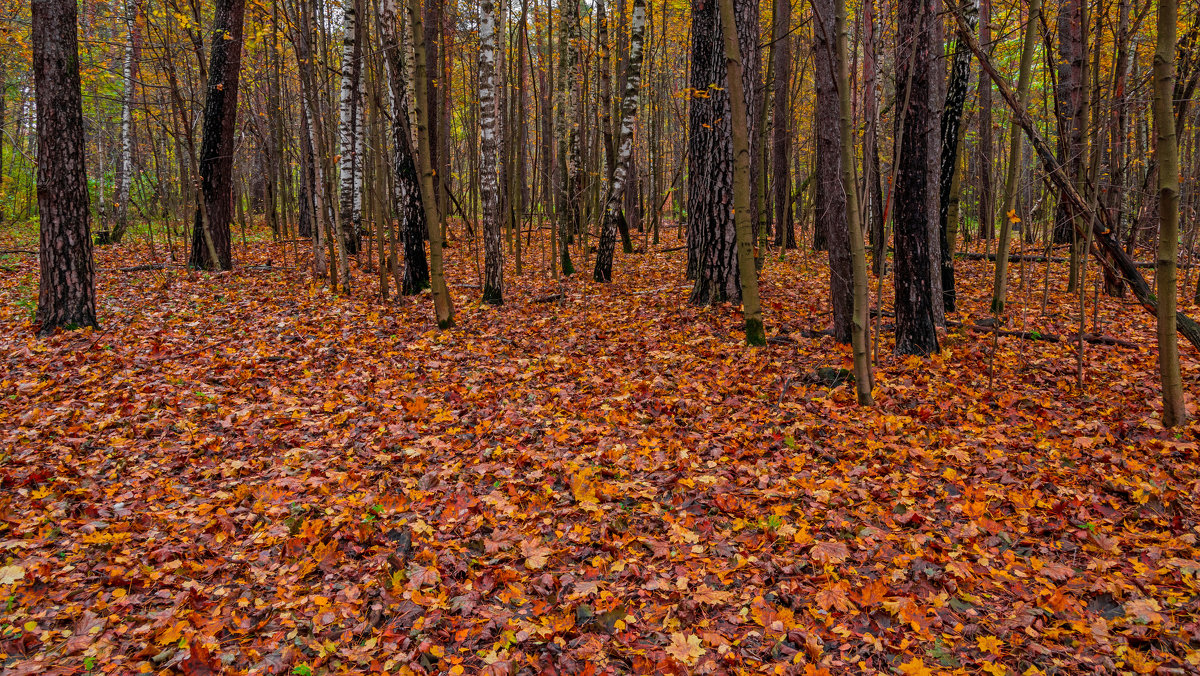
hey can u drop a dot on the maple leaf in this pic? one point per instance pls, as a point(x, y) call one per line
point(829, 552)
point(989, 644)
point(583, 488)
point(915, 667)
point(535, 553)
point(994, 668)
point(835, 596)
point(685, 649)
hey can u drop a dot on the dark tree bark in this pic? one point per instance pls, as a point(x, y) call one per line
point(216, 149)
point(956, 97)
point(987, 216)
point(409, 210)
point(781, 147)
point(1072, 55)
point(916, 179)
point(829, 198)
point(712, 237)
point(66, 288)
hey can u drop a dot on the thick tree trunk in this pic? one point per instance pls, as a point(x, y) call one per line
point(916, 180)
point(629, 108)
point(407, 192)
point(66, 288)
point(1167, 154)
point(1072, 85)
point(781, 123)
point(956, 97)
point(829, 203)
point(567, 117)
point(748, 275)
point(712, 237)
point(489, 165)
point(216, 149)
point(349, 131)
point(987, 216)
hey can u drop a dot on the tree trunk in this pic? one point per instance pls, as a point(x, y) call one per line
point(712, 236)
point(1167, 154)
point(489, 165)
point(216, 149)
point(916, 174)
point(863, 379)
point(407, 192)
point(781, 116)
point(629, 108)
point(124, 177)
point(956, 97)
point(66, 288)
point(748, 275)
point(567, 117)
point(442, 303)
point(1009, 215)
point(987, 215)
point(349, 131)
point(829, 206)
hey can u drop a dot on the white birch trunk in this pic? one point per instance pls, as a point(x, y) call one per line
point(489, 162)
point(629, 109)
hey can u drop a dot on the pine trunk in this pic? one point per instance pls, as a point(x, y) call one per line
point(916, 180)
point(66, 288)
point(216, 149)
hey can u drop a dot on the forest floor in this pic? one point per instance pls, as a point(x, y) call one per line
point(242, 472)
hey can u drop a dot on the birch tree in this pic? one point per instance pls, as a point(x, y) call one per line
point(349, 131)
point(613, 213)
point(489, 162)
point(407, 192)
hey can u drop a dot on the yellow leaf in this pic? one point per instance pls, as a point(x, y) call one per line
point(685, 649)
point(915, 668)
point(989, 644)
point(994, 669)
point(583, 488)
point(119, 593)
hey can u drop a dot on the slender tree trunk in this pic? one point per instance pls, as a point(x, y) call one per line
point(863, 379)
point(916, 180)
point(748, 275)
point(124, 177)
point(1167, 154)
point(489, 187)
point(442, 303)
point(1009, 215)
point(872, 174)
point(350, 103)
point(956, 97)
point(66, 288)
point(216, 148)
point(629, 108)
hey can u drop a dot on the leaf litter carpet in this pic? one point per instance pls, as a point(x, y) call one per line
point(242, 473)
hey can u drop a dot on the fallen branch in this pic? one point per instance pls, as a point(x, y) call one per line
point(192, 352)
point(1115, 260)
point(549, 298)
point(1046, 337)
point(7, 252)
point(139, 268)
